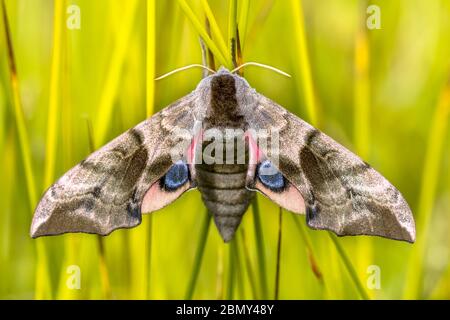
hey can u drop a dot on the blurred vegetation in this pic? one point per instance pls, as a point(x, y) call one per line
point(385, 94)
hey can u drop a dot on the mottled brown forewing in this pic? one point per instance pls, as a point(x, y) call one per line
point(104, 192)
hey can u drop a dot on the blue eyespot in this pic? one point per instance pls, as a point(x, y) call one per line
point(176, 177)
point(270, 176)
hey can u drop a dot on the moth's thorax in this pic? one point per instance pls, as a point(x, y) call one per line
point(224, 95)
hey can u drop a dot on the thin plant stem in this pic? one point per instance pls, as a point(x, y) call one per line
point(151, 50)
point(231, 269)
point(303, 65)
point(248, 264)
point(103, 267)
point(239, 56)
point(19, 115)
point(259, 238)
point(239, 273)
point(261, 18)
point(309, 248)
point(150, 101)
point(90, 132)
point(430, 179)
point(207, 55)
point(211, 61)
point(220, 273)
point(349, 266)
point(55, 84)
point(442, 287)
point(215, 30)
point(43, 284)
point(304, 69)
point(362, 95)
point(64, 106)
point(109, 91)
point(277, 271)
point(203, 33)
point(232, 27)
point(8, 197)
point(198, 256)
point(361, 128)
point(243, 21)
point(205, 71)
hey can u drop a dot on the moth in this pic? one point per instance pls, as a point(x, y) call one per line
point(154, 163)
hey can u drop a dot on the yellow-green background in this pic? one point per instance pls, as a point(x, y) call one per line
point(382, 93)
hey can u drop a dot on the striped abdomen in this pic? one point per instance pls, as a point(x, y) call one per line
point(223, 191)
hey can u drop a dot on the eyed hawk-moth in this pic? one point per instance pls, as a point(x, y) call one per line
point(307, 172)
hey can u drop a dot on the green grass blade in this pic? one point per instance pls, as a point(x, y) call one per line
point(304, 66)
point(362, 95)
point(304, 69)
point(7, 246)
point(151, 55)
point(430, 178)
point(71, 243)
point(231, 269)
point(349, 266)
point(111, 85)
point(198, 256)
point(203, 33)
point(150, 101)
point(103, 267)
point(54, 96)
point(248, 264)
point(260, 248)
point(261, 17)
point(140, 239)
point(277, 272)
point(43, 285)
point(220, 274)
point(243, 21)
point(361, 129)
point(232, 27)
point(442, 287)
point(214, 27)
point(240, 294)
point(19, 116)
point(309, 248)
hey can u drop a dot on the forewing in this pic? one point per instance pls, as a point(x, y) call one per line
point(106, 191)
point(340, 192)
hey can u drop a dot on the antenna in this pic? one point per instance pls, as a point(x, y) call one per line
point(184, 68)
point(262, 66)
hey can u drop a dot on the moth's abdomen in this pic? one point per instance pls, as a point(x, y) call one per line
point(224, 194)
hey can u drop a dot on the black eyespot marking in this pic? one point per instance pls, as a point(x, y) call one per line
point(270, 177)
point(176, 177)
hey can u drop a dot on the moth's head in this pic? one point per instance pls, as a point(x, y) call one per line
point(222, 70)
point(225, 80)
